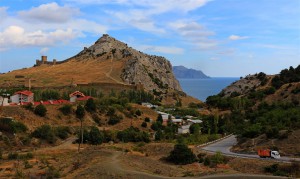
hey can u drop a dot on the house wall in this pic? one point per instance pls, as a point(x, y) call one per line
point(73, 99)
point(21, 98)
point(183, 131)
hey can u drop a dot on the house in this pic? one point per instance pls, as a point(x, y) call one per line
point(149, 105)
point(22, 97)
point(165, 116)
point(4, 101)
point(177, 121)
point(78, 96)
point(185, 129)
point(194, 121)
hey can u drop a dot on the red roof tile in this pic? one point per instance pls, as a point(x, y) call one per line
point(26, 92)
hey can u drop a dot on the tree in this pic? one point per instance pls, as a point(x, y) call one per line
point(90, 105)
point(80, 115)
point(95, 136)
point(40, 110)
point(66, 109)
point(144, 124)
point(181, 154)
point(159, 118)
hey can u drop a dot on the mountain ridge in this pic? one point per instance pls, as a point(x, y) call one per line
point(188, 73)
point(108, 60)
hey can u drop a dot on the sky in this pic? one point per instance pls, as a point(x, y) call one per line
point(223, 38)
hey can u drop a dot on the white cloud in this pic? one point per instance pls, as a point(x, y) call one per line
point(152, 6)
point(44, 50)
point(49, 13)
point(15, 36)
point(195, 33)
point(161, 49)
point(236, 37)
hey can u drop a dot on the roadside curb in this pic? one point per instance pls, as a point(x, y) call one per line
point(211, 142)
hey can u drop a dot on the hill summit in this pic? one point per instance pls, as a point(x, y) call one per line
point(108, 60)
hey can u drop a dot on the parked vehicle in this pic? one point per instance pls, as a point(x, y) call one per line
point(266, 153)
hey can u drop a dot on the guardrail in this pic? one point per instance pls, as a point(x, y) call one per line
point(211, 142)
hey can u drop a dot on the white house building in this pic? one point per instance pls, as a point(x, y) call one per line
point(4, 101)
point(185, 129)
point(22, 97)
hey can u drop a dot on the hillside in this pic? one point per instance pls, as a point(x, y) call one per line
point(185, 73)
point(262, 108)
point(106, 61)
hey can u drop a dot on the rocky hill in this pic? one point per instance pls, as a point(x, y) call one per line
point(185, 73)
point(106, 61)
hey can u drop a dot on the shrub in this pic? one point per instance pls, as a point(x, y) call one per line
point(147, 119)
point(95, 136)
point(206, 161)
point(40, 110)
point(138, 112)
point(144, 124)
point(181, 154)
point(66, 109)
point(133, 134)
point(12, 156)
point(90, 105)
point(62, 132)
point(12, 126)
point(44, 132)
point(29, 107)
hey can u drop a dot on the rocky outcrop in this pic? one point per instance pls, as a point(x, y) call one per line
point(153, 72)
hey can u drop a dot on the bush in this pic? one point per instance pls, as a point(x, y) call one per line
point(90, 105)
point(144, 124)
point(12, 126)
point(181, 154)
point(206, 161)
point(147, 119)
point(40, 110)
point(13, 156)
point(44, 132)
point(62, 132)
point(95, 136)
point(133, 134)
point(138, 112)
point(29, 107)
point(66, 109)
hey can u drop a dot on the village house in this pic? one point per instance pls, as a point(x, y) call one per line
point(194, 121)
point(177, 121)
point(149, 105)
point(22, 97)
point(4, 101)
point(184, 129)
point(78, 96)
point(165, 116)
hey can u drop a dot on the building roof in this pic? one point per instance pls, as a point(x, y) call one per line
point(26, 93)
point(176, 120)
point(77, 93)
point(196, 121)
point(85, 98)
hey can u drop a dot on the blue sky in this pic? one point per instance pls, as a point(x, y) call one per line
point(223, 38)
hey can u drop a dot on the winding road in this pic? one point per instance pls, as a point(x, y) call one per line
point(225, 145)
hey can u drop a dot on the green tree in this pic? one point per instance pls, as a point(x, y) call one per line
point(40, 110)
point(95, 136)
point(159, 118)
point(181, 154)
point(144, 124)
point(90, 105)
point(80, 113)
point(66, 109)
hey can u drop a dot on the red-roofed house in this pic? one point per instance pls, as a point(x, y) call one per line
point(78, 96)
point(22, 96)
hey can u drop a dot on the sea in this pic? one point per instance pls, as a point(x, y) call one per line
point(202, 88)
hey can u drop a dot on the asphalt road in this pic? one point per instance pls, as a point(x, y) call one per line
point(224, 147)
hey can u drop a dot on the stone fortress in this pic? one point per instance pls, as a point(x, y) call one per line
point(44, 61)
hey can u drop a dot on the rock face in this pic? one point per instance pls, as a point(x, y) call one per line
point(153, 72)
point(183, 72)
